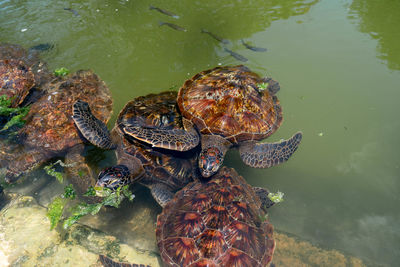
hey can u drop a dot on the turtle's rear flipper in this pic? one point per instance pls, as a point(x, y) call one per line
point(173, 139)
point(266, 155)
point(93, 129)
point(107, 262)
point(24, 162)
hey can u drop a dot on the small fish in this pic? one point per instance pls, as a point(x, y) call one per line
point(219, 39)
point(236, 55)
point(173, 26)
point(72, 10)
point(42, 47)
point(253, 48)
point(165, 12)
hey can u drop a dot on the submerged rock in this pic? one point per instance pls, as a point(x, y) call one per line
point(26, 240)
point(291, 251)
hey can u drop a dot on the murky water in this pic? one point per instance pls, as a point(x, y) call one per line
point(338, 63)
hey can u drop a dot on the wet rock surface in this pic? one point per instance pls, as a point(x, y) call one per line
point(26, 239)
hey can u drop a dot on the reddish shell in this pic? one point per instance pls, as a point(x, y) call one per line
point(228, 102)
point(215, 223)
point(16, 79)
point(49, 125)
point(23, 70)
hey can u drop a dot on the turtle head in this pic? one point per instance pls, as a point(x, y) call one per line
point(114, 177)
point(210, 160)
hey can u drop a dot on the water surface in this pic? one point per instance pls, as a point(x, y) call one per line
point(338, 63)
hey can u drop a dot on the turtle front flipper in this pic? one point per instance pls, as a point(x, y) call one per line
point(266, 155)
point(161, 193)
point(93, 129)
point(173, 139)
point(25, 162)
point(107, 262)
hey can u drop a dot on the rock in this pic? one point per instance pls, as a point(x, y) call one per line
point(290, 251)
point(26, 240)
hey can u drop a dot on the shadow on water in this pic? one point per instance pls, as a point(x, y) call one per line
point(381, 23)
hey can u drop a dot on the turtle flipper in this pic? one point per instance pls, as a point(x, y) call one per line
point(266, 155)
point(25, 162)
point(107, 262)
point(93, 129)
point(262, 193)
point(173, 139)
point(161, 193)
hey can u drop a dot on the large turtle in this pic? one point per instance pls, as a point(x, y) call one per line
point(164, 171)
point(229, 106)
point(20, 71)
point(218, 222)
point(49, 130)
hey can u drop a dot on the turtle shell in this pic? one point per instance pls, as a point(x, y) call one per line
point(49, 125)
point(20, 71)
point(167, 166)
point(230, 102)
point(16, 79)
point(215, 223)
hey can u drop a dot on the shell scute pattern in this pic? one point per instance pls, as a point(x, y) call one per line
point(172, 168)
point(227, 101)
point(16, 79)
point(205, 220)
point(49, 123)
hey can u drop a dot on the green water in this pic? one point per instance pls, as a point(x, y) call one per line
point(338, 63)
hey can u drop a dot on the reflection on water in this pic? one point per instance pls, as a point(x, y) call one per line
point(381, 22)
point(342, 184)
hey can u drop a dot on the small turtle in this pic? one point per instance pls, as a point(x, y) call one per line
point(220, 222)
point(50, 131)
point(162, 171)
point(20, 71)
point(229, 106)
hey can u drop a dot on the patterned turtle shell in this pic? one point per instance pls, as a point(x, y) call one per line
point(233, 102)
point(49, 123)
point(215, 223)
point(49, 130)
point(20, 71)
point(156, 111)
point(16, 79)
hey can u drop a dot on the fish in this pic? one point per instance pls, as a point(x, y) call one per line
point(165, 12)
point(224, 41)
point(42, 47)
point(236, 55)
point(72, 10)
point(253, 48)
point(173, 26)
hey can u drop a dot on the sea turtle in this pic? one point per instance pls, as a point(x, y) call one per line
point(229, 106)
point(218, 222)
point(49, 130)
point(20, 71)
point(164, 171)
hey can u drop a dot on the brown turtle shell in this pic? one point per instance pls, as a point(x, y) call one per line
point(20, 71)
point(228, 101)
point(172, 168)
point(49, 125)
point(215, 223)
point(16, 79)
